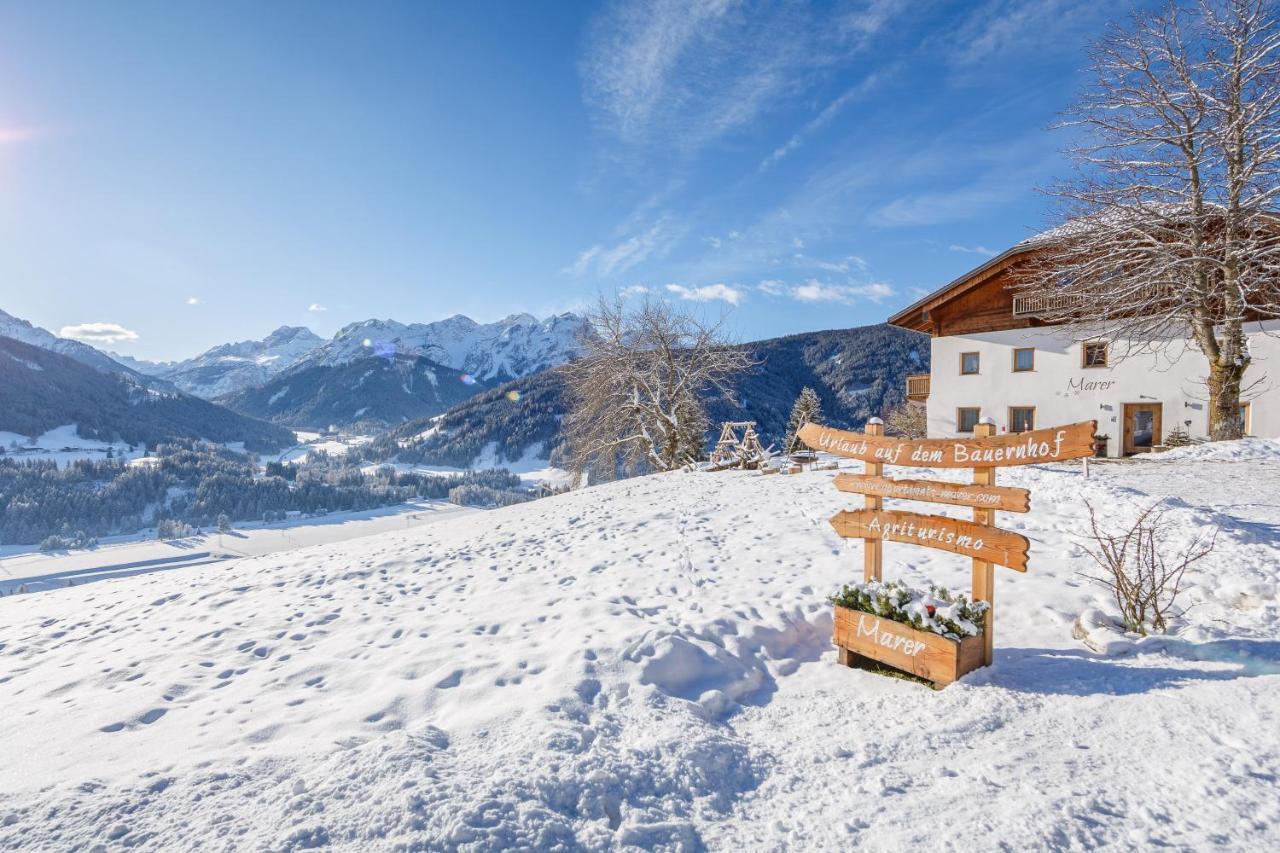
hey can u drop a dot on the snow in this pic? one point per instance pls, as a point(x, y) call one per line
point(532, 467)
point(648, 664)
point(1244, 450)
point(64, 445)
point(23, 567)
point(311, 442)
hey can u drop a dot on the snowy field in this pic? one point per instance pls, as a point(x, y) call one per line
point(648, 664)
point(64, 445)
point(532, 467)
point(25, 569)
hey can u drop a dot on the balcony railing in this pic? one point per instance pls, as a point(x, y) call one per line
point(1048, 303)
point(1041, 303)
point(918, 387)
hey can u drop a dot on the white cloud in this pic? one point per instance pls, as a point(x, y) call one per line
point(824, 118)
point(816, 291)
point(316, 308)
point(1001, 28)
point(193, 300)
point(682, 73)
point(797, 242)
point(707, 293)
point(714, 242)
point(973, 250)
point(633, 290)
point(621, 256)
point(98, 333)
point(936, 208)
point(772, 286)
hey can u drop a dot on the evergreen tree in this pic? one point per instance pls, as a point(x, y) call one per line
point(807, 409)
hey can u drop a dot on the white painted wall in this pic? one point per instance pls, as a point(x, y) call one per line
point(1064, 392)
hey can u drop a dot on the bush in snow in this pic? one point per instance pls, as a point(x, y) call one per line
point(173, 529)
point(67, 540)
point(934, 609)
point(1141, 567)
point(908, 419)
point(1177, 437)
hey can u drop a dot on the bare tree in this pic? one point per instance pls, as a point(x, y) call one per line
point(1137, 567)
point(1168, 229)
point(908, 419)
point(636, 395)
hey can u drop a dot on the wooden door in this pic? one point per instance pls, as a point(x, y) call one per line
point(1142, 427)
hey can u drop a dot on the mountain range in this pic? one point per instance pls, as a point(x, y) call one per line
point(858, 373)
point(42, 388)
point(228, 368)
point(381, 372)
point(375, 372)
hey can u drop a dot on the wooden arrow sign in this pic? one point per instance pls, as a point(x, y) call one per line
point(933, 491)
point(1056, 444)
point(978, 541)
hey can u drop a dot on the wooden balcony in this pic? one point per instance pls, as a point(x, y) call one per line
point(1037, 305)
point(918, 387)
point(1031, 306)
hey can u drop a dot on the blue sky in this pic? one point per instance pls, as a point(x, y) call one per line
point(201, 172)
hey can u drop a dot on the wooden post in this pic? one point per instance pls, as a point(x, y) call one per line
point(873, 549)
point(984, 573)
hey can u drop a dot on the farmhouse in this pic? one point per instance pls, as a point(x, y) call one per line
point(995, 356)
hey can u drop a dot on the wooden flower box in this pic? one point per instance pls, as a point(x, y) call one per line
point(925, 654)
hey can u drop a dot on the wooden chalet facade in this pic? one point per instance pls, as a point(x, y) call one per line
point(992, 356)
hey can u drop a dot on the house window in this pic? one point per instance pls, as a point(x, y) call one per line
point(1094, 354)
point(1244, 418)
point(1022, 418)
point(968, 364)
point(967, 419)
point(1024, 360)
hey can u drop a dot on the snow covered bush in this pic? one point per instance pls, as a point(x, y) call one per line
point(934, 609)
point(67, 541)
point(1142, 568)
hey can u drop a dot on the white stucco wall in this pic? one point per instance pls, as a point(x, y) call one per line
point(1064, 392)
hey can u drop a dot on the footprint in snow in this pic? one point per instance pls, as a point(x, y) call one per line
point(453, 679)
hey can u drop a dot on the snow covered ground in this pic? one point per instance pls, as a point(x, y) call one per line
point(532, 467)
point(64, 446)
point(310, 442)
point(23, 568)
point(648, 664)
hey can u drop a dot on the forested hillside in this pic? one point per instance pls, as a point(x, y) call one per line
point(194, 482)
point(372, 391)
point(858, 373)
point(41, 390)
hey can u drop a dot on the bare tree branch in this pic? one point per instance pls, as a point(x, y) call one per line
point(637, 393)
point(1169, 228)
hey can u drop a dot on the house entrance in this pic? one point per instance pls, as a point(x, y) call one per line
point(1142, 427)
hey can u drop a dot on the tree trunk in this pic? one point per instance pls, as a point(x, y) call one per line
point(1224, 399)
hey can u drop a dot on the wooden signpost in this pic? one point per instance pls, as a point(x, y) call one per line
point(868, 636)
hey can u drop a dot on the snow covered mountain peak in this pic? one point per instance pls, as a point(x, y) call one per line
point(512, 347)
point(234, 366)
